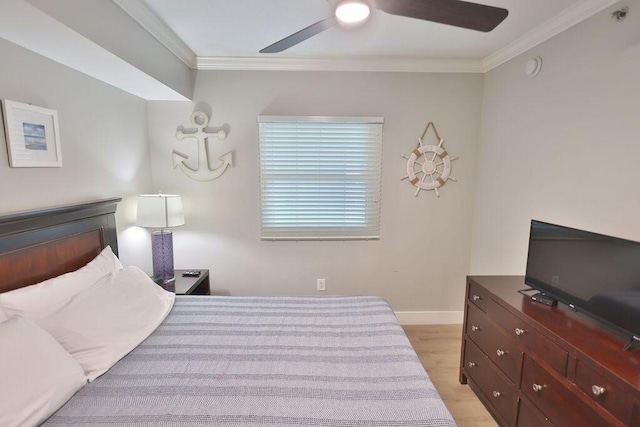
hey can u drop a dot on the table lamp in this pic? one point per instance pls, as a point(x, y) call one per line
point(160, 212)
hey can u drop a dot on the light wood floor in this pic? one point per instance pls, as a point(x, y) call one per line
point(438, 347)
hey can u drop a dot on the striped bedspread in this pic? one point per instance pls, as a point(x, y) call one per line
point(281, 361)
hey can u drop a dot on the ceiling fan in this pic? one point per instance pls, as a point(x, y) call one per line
point(458, 13)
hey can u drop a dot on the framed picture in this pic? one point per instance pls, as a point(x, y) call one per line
point(33, 137)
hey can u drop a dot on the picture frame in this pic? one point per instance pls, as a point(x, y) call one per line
point(33, 136)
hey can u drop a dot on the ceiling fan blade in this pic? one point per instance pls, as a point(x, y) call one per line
point(458, 13)
point(301, 35)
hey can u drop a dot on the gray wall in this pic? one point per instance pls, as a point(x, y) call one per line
point(422, 257)
point(103, 134)
point(562, 147)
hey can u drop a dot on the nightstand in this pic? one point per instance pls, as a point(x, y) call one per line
point(190, 285)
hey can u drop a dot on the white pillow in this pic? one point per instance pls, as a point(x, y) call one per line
point(37, 376)
point(40, 300)
point(103, 323)
point(3, 316)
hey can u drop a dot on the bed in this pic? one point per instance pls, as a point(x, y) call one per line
point(231, 361)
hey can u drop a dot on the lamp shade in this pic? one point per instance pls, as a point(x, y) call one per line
point(159, 211)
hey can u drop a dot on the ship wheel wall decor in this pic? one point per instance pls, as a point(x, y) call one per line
point(429, 166)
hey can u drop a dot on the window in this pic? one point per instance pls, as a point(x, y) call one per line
point(320, 177)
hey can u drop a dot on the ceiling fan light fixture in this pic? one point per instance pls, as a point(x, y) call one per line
point(352, 12)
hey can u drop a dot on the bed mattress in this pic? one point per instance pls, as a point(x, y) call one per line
point(273, 361)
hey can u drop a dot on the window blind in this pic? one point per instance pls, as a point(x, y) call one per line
point(320, 177)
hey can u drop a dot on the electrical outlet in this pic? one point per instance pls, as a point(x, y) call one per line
point(322, 285)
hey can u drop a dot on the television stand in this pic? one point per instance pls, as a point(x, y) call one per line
point(537, 365)
point(633, 340)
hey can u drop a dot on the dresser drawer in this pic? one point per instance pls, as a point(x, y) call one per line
point(529, 416)
point(597, 385)
point(502, 351)
point(497, 389)
point(479, 296)
point(554, 400)
point(554, 355)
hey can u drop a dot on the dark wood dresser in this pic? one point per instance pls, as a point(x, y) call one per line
point(534, 365)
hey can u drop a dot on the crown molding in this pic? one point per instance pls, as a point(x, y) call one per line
point(408, 65)
point(563, 21)
point(143, 15)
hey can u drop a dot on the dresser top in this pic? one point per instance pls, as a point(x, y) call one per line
point(571, 329)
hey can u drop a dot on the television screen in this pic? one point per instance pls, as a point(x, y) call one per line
point(595, 274)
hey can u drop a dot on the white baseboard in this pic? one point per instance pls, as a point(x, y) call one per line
point(429, 317)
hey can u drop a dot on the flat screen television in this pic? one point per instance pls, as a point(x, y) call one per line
point(594, 274)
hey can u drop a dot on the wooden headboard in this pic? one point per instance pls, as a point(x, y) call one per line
point(39, 245)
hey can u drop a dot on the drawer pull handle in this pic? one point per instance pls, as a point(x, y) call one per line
point(500, 353)
point(476, 297)
point(536, 387)
point(474, 328)
point(472, 364)
point(597, 390)
point(496, 394)
point(519, 331)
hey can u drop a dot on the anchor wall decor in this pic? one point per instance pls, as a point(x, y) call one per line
point(203, 171)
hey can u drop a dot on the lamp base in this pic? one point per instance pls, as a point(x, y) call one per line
point(162, 251)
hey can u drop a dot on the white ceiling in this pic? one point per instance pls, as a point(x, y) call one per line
point(227, 35)
point(233, 31)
